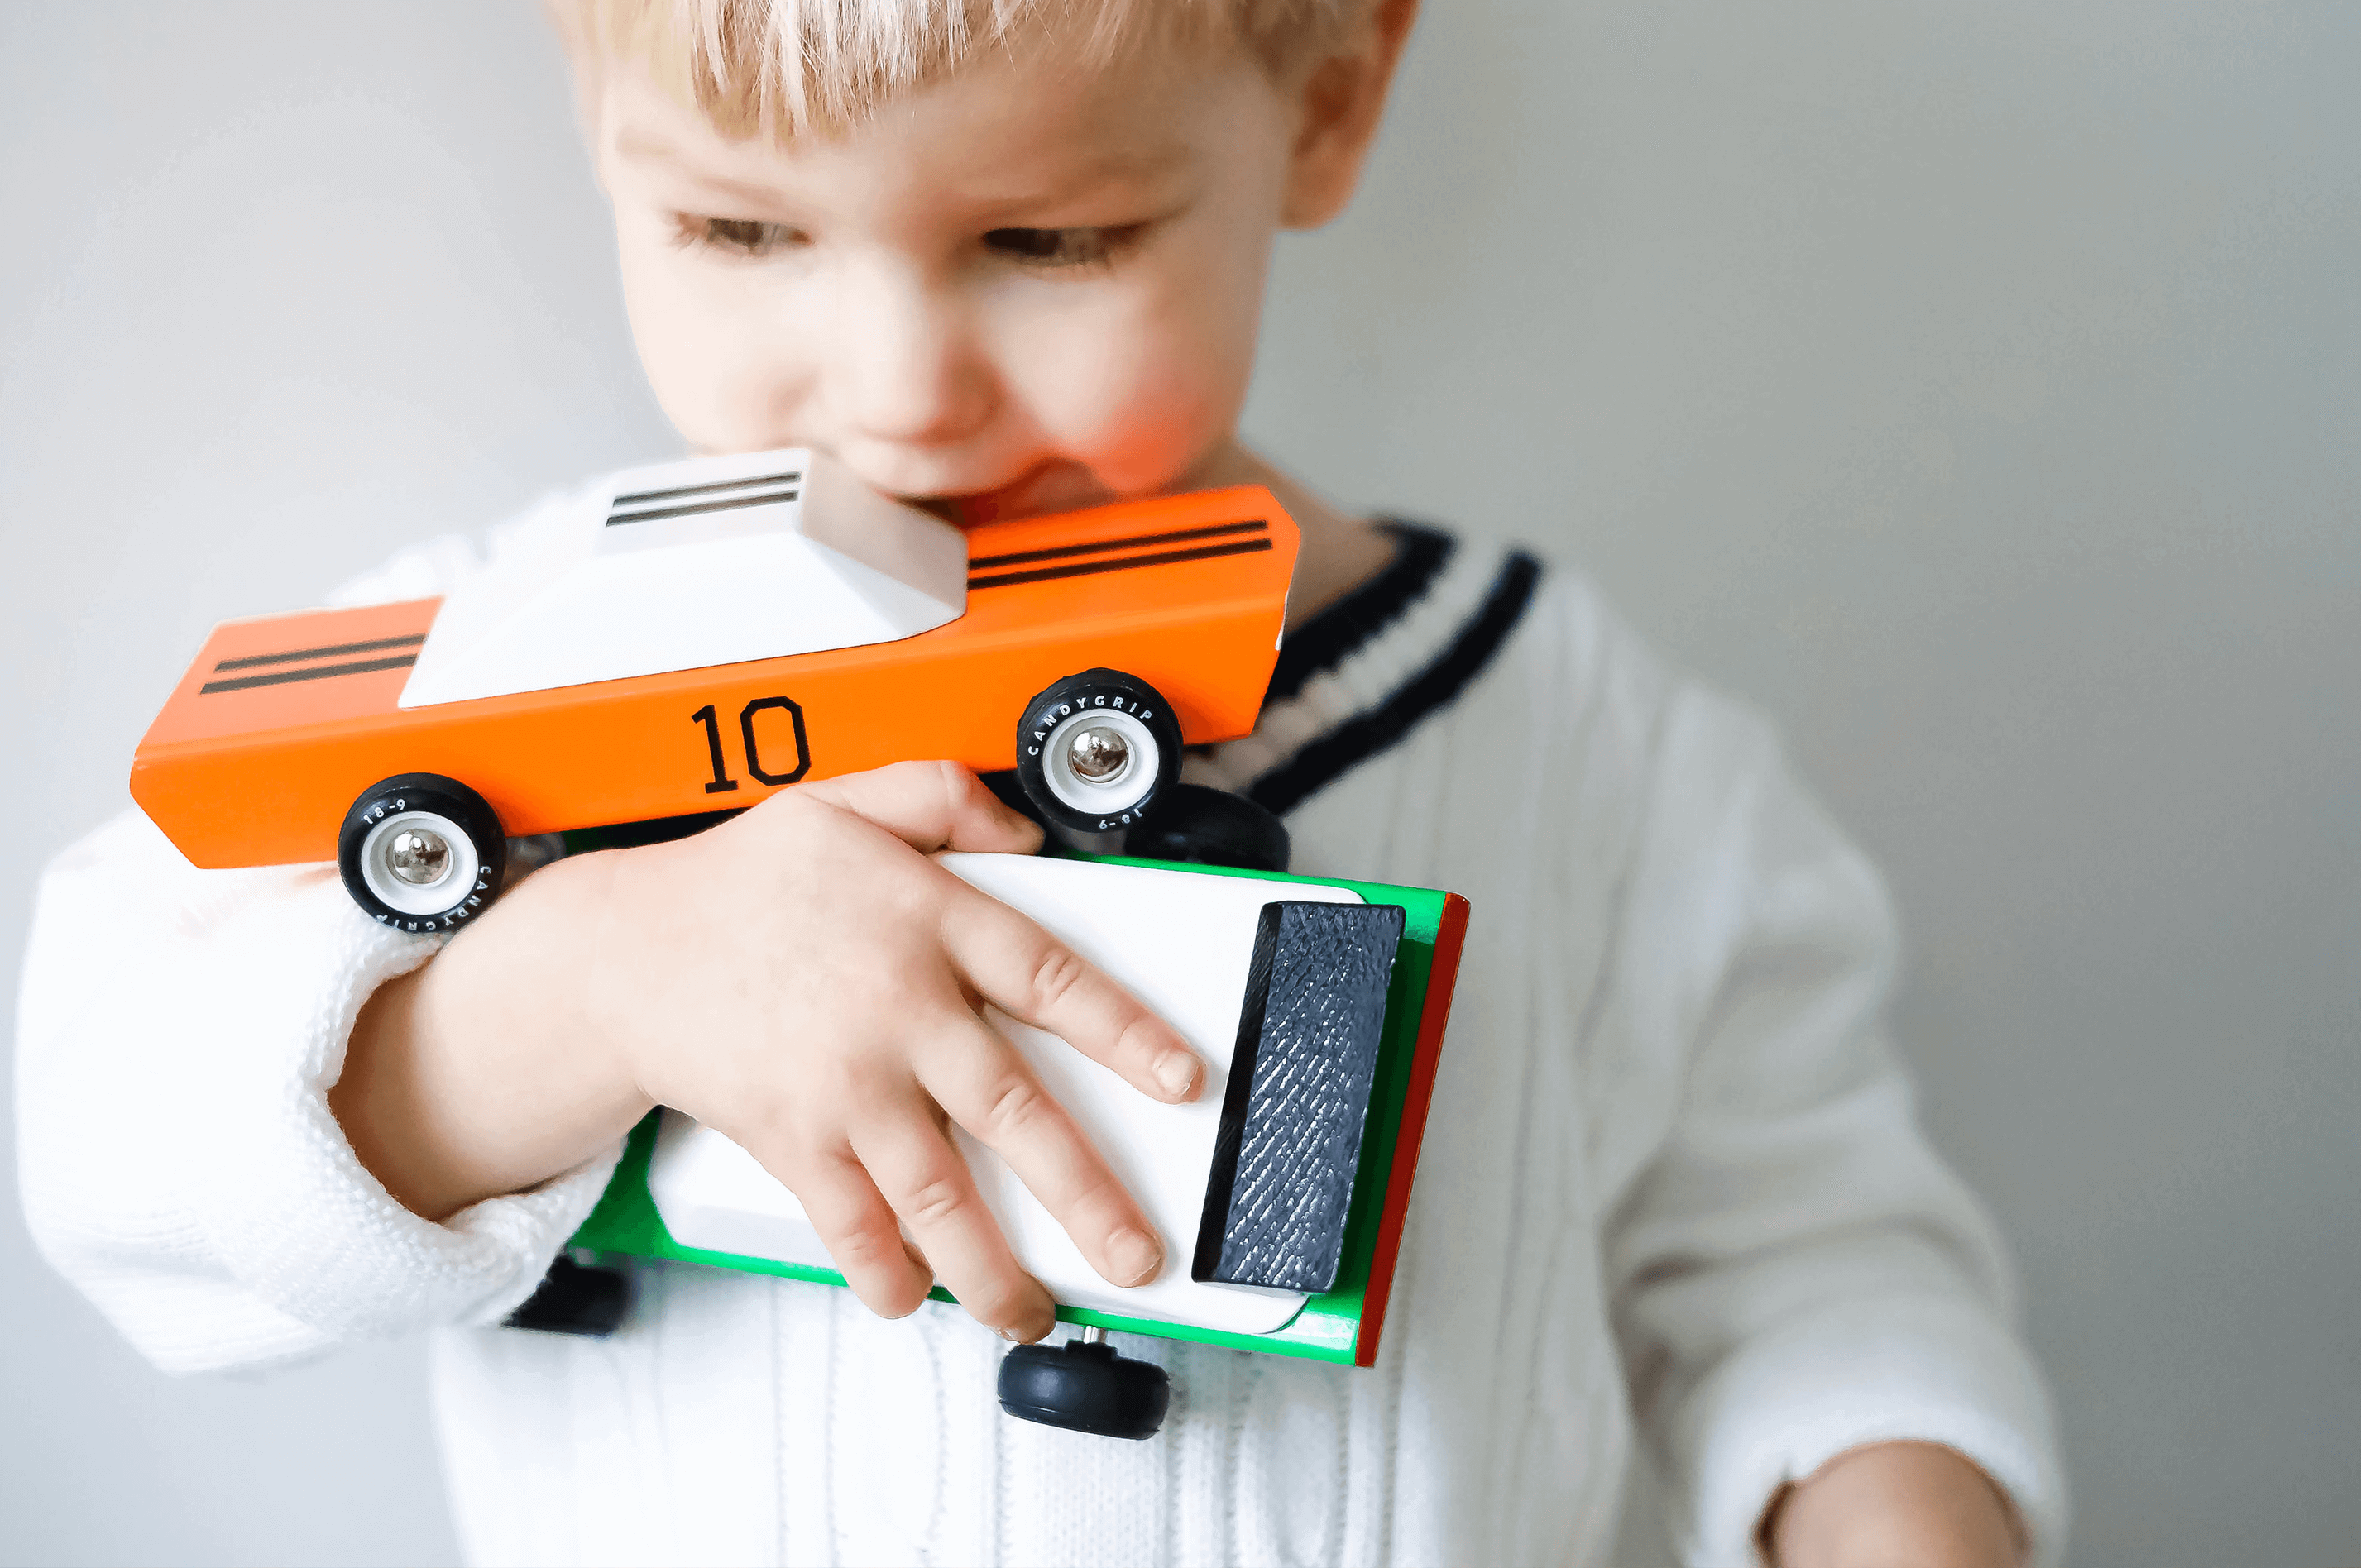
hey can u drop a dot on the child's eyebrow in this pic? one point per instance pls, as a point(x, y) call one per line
point(1146, 163)
point(641, 147)
point(1149, 174)
point(1088, 177)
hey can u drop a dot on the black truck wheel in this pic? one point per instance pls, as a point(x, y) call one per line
point(421, 852)
point(576, 1298)
point(1096, 752)
point(1212, 827)
point(1084, 1385)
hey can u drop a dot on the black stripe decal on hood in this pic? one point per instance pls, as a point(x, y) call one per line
point(1123, 564)
point(1097, 547)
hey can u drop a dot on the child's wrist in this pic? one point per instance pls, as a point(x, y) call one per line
point(1894, 1502)
point(484, 1072)
point(534, 1000)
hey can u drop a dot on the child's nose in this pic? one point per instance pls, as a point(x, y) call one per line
point(909, 367)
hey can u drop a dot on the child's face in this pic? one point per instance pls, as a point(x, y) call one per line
point(1028, 287)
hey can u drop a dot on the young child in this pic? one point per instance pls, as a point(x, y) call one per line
point(1008, 257)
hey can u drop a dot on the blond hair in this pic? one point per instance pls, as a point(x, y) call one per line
point(793, 65)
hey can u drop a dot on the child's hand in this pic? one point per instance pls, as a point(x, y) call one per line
point(1892, 1503)
point(807, 981)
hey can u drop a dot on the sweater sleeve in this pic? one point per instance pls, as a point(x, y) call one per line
point(1796, 1271)
point(177, 1032)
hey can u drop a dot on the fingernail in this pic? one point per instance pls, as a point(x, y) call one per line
point(1177, 1072)
point(1135, 1255)
point(1012, 1336)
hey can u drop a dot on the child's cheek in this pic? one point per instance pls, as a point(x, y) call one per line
point(1139, 393)
point(722, 362)
point(665, 330)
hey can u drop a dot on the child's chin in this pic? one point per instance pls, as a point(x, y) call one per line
point(1055, 487)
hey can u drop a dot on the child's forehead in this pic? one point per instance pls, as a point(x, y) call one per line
point(791, 67)
point(998, 132)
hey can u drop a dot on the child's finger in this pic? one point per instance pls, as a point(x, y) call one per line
point(1036, 978)
point(986, 1087)
point(929, 807)
point(859, 1229)
point(914, 1164)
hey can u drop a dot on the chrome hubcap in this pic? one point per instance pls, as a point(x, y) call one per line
point(419, 856)
point(1099, 753)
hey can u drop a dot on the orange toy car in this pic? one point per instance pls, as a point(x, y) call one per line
point(701, 635)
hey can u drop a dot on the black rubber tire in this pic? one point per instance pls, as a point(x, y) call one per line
point(1211, 827)
point(448, 799)
point(574, 1299)
point(1097, 690)
point(1084, 1387)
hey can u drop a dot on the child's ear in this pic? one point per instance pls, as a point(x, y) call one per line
point(1340, 100)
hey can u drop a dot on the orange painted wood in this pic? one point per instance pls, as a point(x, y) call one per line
point(262, 774)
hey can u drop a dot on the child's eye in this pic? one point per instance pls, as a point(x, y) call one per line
point(1050, 248)
point(738, 236)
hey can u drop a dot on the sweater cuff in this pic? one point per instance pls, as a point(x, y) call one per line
point(292, 1214)
point(1923, 1370)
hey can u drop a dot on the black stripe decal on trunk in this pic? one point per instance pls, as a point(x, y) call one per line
point(1023, 557)
point(251, 659)
point(1125, 564)
point(316, 672)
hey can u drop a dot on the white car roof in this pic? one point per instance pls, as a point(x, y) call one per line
point(684, 566)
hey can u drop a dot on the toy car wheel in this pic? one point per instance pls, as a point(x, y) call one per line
point(1096, 752)
point(421, 852)
point(1084, 1386)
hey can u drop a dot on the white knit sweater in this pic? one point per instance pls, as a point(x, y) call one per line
point(1671, 1174)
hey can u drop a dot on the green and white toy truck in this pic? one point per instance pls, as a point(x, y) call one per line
point(1319, 1005)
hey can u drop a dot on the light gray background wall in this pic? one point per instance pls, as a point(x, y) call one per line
point(1975, 385)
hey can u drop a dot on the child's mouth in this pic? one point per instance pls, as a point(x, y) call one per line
point(1054, 486)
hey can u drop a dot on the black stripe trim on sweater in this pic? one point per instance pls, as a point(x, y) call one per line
point(1328, 639)
point(1326, 760)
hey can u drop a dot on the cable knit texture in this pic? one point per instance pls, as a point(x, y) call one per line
point(1671, 1174)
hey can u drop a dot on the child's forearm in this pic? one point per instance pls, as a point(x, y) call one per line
point(463, 1079)
point(809, 983)
point(1889, 1503)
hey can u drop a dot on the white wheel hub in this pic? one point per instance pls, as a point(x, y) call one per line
point(419, 862)
point(1109, 788)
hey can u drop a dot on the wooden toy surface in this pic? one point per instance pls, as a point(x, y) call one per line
point(717, 560)
point(283, 721)
point(1180, 937)
point(1180, 943)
